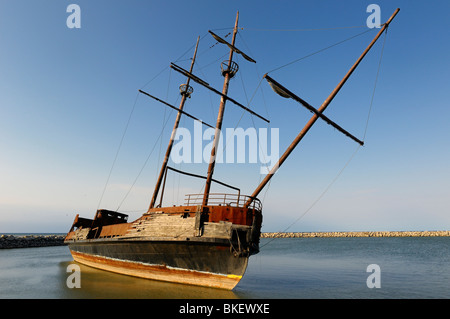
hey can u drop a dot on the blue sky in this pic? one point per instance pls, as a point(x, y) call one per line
point(66, 96)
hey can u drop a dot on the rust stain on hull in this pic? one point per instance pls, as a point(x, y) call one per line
point(158, 272)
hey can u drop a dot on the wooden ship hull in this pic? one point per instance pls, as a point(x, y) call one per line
point(206, 246)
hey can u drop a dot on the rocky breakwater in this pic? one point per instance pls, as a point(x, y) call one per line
point(440, 233)
point(28, 241)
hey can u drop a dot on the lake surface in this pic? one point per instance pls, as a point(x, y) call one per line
point(288, 268)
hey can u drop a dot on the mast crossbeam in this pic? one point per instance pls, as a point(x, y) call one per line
point(203, 177)
point(205, 84)
point(315, 117)
point(287, 93)
point(176, 109)
point(232, 47)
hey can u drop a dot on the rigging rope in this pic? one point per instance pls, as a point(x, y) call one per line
point(265, 106)
point(126, 129)
point(259, 76)
point(321, 50)
point(123, 136)
point(118, 150)
point(165, 68)
point(306, 29)
point(190, 48)
point(351, 157)
point(375, 85)
point(146, 161)
point(320, 196)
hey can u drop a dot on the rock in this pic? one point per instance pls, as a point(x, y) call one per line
point(444, 233)
point(10, 241)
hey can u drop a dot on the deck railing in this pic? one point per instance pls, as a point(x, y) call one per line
point(222, 199)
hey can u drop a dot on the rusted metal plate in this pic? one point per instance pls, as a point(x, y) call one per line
point(235, 215)
point(114, 230)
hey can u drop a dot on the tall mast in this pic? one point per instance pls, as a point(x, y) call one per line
point(185, 93)
point(315, 117)
point(228, 75)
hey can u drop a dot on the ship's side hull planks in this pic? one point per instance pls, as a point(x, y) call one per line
point(203, 263)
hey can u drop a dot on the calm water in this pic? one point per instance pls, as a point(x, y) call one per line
point(285, 268)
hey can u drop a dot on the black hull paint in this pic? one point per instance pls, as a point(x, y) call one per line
point(203, 257)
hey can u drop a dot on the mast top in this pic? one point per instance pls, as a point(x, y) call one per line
point(284, 92)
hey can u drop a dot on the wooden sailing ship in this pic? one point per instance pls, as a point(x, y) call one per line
point(209, 240)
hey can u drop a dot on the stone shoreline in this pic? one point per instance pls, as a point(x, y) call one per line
point(28, 241)
point(439, 233)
